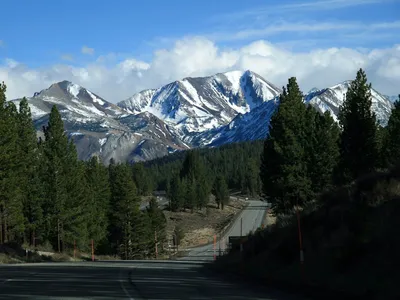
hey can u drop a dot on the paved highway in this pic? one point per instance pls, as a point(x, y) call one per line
point(249, 220)
point(136, 280)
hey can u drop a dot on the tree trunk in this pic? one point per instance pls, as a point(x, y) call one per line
point(58, 236)
point(1, 227)
point(5, 231)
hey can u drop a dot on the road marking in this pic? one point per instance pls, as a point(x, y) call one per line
point(7, 280)
point(121, 281)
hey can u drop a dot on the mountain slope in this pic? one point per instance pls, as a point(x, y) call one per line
point(254, 124)
point(203, 103)
point(192, 112)
point(101, 128)
point(332, 98)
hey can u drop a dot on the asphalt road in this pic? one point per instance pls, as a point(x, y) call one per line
point(249, 220)
point(124, 280)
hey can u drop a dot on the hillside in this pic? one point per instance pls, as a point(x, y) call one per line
point(350, 242)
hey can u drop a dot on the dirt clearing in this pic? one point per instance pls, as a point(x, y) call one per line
point(200, 226)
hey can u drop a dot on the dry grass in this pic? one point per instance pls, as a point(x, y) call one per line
point(200, 226)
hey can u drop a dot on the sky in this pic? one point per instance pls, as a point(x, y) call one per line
point(117, 48)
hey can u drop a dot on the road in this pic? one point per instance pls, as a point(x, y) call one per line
point(249, 220)
point(162, 203)
point(124, 280)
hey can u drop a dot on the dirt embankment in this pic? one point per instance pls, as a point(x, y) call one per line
point(200, 226)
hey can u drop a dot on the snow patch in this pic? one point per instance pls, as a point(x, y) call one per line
point(102, 141)
point(95, 99)
point(74, 89)
point(234, 79)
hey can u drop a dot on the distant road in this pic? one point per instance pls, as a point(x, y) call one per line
point(135, 280)
point(162, 203)
point(249, 220)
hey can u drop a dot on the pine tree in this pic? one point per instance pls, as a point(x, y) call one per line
point(392, 139)
point(125, 204)
point(98, 200)
point(142, 179)
point(381, 137)
point(358, 143)
point(158, 222)
point(322, 148)
point(221, 192)
point(191, 193)
point(177, 194)
point(283, 168)
point(195, 175)
point(11, 209)
point(31, 159)
point(252, 178)
point(56, 150)
point(75, 214)
point(142, 239)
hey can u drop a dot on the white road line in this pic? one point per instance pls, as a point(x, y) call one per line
point(121, 281)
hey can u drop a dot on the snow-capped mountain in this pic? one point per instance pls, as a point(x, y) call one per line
point(74, 101)
point(244, 127)
point(330, 99)
point(193, 112)
point(199, 104)
point(254, 124)
point(99, 127)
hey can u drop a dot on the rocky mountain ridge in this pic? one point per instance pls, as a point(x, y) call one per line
point(193, 112)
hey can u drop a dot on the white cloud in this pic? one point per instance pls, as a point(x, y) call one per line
point(296, 7)
point(87, 50)
point(1, 43)
point(198, 56)
point(350, 28)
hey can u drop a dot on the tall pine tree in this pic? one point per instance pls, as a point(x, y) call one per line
point(125, 222)
point(65, 214)
point(391, 148)
point(322, 149)
point(283, 168)
point(221, 192)
point(98, 200)
point(358, 141)
point(11, 209)
point(30, 176)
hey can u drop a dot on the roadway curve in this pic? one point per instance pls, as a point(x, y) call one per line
point(136, 280)
point(250, 218)
point(161, 201)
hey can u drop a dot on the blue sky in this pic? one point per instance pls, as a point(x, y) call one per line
point(45, 32)
point(117, 48)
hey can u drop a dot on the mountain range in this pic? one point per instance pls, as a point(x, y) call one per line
point(193, 112)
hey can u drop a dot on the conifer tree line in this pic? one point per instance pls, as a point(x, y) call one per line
point(307, 153)
point(236, 164)
point(50, 198)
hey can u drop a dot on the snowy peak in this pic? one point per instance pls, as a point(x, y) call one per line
point(196, 104)
point(75, 103)
point(70, 91)
point(330, 99)
point(138, 102)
